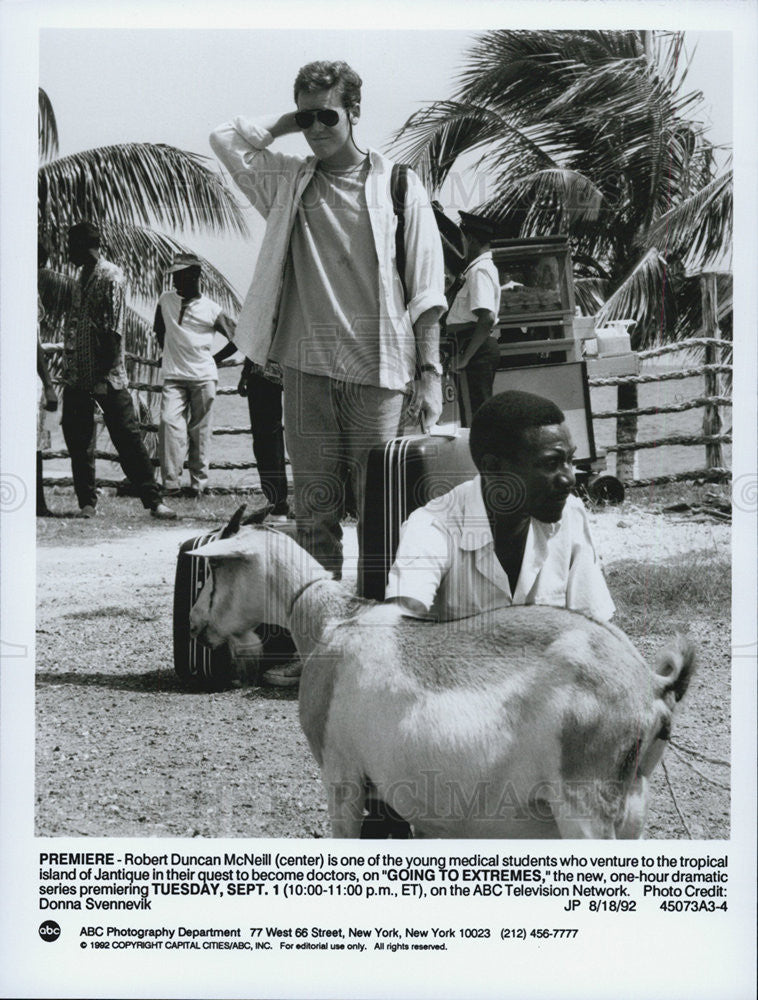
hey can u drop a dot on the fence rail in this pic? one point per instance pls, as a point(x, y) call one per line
point(653, 411)
point(670, 442)
point(596, 383)
point(713, 398)
point(711, 401)
point(683, 345)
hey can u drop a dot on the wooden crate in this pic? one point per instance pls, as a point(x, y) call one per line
point(537, 301)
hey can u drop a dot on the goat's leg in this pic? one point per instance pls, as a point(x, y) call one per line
point(585, 828)
point(581, 813)
point(589, 814)
point(346, 796)
point(632, 824)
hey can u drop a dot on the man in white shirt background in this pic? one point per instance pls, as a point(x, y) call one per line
point(185, 325)
point(470, 323)
point(512, 535)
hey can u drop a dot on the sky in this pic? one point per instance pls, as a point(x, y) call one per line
point(175, 86)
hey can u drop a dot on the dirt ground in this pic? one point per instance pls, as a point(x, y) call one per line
point(124, 750)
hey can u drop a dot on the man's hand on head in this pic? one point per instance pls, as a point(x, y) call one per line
point(283, 125)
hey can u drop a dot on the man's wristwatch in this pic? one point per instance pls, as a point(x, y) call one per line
point(430, 368)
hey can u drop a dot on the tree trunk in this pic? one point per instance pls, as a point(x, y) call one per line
point(626, 431)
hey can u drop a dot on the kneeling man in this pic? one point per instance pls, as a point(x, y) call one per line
point(512, 535)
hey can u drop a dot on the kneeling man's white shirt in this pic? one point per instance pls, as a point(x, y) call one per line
point(446, 561)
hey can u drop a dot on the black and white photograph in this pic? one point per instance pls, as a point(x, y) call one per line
point(395, 481)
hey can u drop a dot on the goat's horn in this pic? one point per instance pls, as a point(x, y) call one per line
point(234, 522)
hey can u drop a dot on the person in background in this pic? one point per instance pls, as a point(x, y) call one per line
point(185, 324)
point(94, 374)
point(470, 323)
point(48, 404)
point(264, 401)
point(48, 401)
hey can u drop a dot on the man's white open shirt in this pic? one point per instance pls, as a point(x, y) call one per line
point(446, 561)
point(275, 183)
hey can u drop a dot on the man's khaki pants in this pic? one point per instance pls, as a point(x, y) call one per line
point(185, 418)
point(331, 426)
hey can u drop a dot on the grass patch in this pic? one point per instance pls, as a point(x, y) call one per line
point(692, 585)
point(119, 515)
point(690, 492)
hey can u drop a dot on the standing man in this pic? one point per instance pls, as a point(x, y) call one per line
point(49, 400)
point(184, 326)
point(94, 373)
point(473, 314)
point(264, 403)
point(326, 301)
point(48, 404)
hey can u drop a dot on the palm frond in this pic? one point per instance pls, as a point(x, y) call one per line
point(47, 129)
point(700, 227)
point(524, 71)
point(644, 296)
point(553, 199)
point(432, 139)
point(56, 288)
point(590, 294)
point(55, 291)
point(139, 339)
point(618, 83)
point(690, 322)
point(136, 184)
point(144, 254)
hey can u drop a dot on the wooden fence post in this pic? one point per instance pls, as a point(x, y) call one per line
point(711, 417)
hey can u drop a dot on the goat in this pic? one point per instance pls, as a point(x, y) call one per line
point(523, 722)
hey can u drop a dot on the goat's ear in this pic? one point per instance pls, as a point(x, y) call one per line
point(221, 548)
point(259, 516)
point(234, 522)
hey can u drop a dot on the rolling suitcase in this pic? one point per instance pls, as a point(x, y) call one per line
point(402, 475)
point(194, 662)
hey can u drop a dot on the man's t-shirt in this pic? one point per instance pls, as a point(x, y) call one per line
point(188, 344)
point(446, 561)
point(480, 290)
point(329, 318)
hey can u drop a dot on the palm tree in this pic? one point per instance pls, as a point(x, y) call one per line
point(591, 134)
point(128, 190)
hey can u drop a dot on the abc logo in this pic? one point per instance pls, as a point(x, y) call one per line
point(50, 930)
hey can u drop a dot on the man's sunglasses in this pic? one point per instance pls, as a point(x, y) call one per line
point(327, 116)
